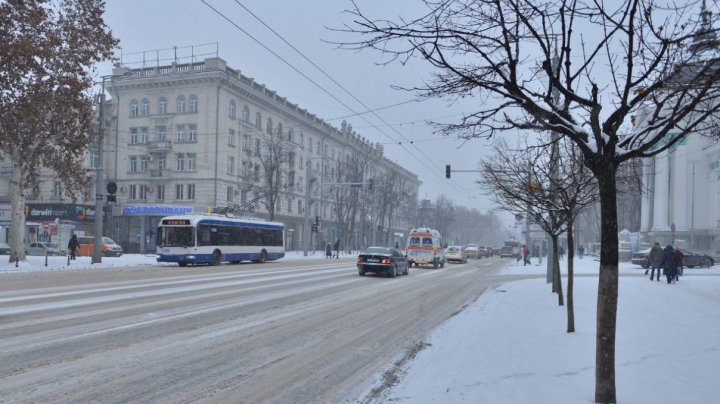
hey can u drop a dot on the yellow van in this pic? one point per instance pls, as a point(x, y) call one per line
point(108, 247)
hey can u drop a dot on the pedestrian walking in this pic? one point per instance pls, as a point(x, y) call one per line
point(73, 245)
point(669, 263)
point(581, 251)
point(328, 250)
point(561, 252)
point(525, 253)
point(337, 248)
point(655, 260)
point(680, 258)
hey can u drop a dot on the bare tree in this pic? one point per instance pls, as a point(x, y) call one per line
point(348, 197)
point(615, 62)
point(49, 50)
point(269, 171)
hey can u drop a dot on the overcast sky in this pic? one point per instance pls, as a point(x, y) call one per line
point(149, 25)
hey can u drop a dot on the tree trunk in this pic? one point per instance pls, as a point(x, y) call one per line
point(570, 281)
point(607, 287)
point(557, 280)
point(17, 224)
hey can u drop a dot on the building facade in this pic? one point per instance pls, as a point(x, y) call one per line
point(198, 136)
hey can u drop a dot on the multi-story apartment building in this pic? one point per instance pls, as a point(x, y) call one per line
point(188, 137)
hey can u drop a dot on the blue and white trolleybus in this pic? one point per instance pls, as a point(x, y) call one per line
point(213, 239)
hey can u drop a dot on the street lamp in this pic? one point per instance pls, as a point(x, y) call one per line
point(99, 171)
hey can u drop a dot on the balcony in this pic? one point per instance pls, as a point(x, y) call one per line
point(159, 146)
point(164, 174)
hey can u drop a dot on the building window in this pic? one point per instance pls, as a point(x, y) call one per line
point(231, 109)
point(290, 202)
point(160, 192)
point(144, 160)
point(144, 107)
point(279, 131)
point(244, 169)
point(180, 159)
point(57, 190)
point(191, 158)
point(230, 193)
point(190, 191)
point(310, 144)
point(269, 126)
point(257, 147)
point(258, 121)
point(162, 105)
point(142, 192)
point(181, 104)
point(132, 164)
point(179, 194)
point(243, 196)
point(192, 132)
point(133, 108)
point(246, 114)
point(302, 140)
point(291, 135)
point(161, 133)
point(193, 103)
point(161, 163)
point(180, 133)
point(134, 136)
point(144, 134)
point(246, 143)
point(318, 147)
point(231, 165)
point(231, 137)
point(300, 208)
point(132, 192)
point(93, 159)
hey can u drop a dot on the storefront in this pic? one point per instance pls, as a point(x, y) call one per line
point(56, 222)
point(136, 226)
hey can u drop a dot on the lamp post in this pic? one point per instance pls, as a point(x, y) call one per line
point(99, 197)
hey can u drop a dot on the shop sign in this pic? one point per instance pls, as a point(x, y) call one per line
point(156, 210)
point(40, 212)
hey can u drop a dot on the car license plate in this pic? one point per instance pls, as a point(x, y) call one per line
point(373, 260)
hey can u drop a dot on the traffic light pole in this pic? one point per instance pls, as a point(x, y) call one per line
point(99, 197)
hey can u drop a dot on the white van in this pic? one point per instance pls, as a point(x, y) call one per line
point(425, 247)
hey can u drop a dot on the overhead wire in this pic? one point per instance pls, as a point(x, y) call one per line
point(423, 161)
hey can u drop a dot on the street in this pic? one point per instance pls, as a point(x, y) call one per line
point(288, 331)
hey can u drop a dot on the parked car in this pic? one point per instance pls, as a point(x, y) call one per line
point(382, 260)
point(693, 260)
point(472, 251)
point(641, 258)
point(507, 252)
point(4, 249)
point(43, 248)
point(455, 253)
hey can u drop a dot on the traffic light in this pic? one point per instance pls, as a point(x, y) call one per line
point(314, 228)
point(111, 188)
point(447, 170)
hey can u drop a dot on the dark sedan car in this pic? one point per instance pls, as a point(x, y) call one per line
point(691, 259)
point(382, 260)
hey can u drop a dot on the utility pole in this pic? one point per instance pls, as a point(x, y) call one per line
point(99, 197)
point(307, 233)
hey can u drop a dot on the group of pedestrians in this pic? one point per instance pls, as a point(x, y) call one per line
point(669, 259)
point(329, 250)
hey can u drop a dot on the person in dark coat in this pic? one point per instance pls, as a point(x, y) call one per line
point(73, 245)
point(669, 263)
point(655, 260)
point(680, 257)
point(337, 248)
point(328, 250)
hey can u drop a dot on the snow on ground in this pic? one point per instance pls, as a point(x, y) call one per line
point(511, 345)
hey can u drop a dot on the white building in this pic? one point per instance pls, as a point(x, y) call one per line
point(681, 187)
